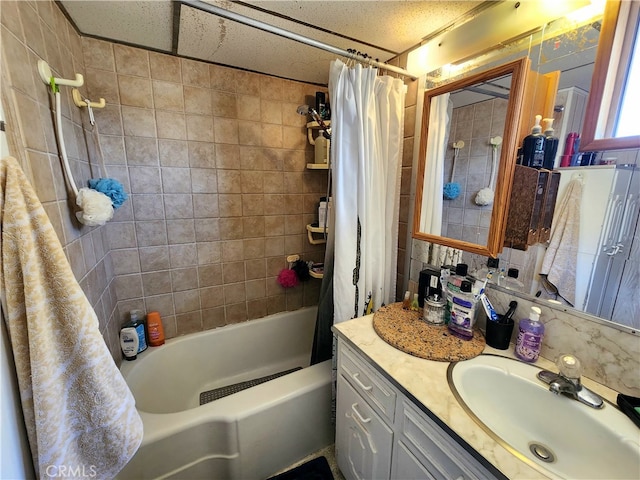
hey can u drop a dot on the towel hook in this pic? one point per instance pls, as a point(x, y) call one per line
point(77, 99)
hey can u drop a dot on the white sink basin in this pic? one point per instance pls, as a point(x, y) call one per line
point(517, 410)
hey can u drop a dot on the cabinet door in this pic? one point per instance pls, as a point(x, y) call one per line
point(363, 440)
point(406, 466)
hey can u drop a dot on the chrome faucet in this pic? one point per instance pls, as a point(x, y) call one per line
point(568, 382)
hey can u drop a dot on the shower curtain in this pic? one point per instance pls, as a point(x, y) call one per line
point(367, 124)
point(360, 266)
point(437, 140)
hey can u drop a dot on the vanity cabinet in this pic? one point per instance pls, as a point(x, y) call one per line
point(381, 434)
point(365, 410)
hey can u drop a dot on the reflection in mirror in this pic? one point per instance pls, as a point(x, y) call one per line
point(572, 51)
point(615, 90)
point(467, 159)
point(463, 125)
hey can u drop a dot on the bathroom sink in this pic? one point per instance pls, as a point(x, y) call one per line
point(555, 434)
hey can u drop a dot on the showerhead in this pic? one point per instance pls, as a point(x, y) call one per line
point(307, 110)
point(304, 110)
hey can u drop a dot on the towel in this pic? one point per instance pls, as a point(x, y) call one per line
point(441, 255)
point(560, 259)
point(79, 413)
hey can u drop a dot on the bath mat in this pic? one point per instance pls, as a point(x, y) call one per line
point(316, 469)
point(217, 393)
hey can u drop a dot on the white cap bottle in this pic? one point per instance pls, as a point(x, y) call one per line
point(530, 333)
point(129, 342)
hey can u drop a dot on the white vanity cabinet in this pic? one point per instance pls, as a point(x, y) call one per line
point(365, 410)
point(381, 434)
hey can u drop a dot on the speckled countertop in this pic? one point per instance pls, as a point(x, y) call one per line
point(426, 381)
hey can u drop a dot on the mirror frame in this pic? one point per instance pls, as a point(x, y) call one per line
point(518, 70)
point(593, 112)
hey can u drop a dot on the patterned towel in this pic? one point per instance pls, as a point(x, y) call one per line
point(79, 413)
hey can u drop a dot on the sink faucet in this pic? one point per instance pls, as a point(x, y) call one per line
point(568, 382)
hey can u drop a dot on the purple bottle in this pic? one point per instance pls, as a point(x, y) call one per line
point(530, 333)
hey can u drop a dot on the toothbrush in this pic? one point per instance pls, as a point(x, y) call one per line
point(512, 308)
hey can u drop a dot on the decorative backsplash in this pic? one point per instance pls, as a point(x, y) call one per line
point(608, 354)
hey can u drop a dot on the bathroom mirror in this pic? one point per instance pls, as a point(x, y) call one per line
point(470, 182)
point(570, 48)
point(610, 121)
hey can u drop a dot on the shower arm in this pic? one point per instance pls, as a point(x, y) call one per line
point(236, 17)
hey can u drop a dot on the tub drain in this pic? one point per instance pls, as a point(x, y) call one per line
point(542, 452)
point(211, 395)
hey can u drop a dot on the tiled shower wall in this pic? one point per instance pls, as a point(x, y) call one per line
point(213, 158)
point(38, 30)
point(215, 161)
point(475, 125)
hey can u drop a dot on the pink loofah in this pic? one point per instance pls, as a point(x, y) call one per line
point(287, 278)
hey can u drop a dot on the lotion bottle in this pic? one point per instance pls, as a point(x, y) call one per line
point(533, 146)
point(155, 328)
point(530, 333)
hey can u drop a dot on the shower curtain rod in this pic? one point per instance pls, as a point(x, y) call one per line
point(236, 17)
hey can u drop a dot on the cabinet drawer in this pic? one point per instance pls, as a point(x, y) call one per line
point(434, 448)
point(363, 440)
point(368, 383)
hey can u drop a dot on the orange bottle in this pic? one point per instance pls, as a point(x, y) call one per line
point(155, 329)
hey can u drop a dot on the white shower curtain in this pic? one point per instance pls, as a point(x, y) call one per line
point(367, 123)
point(431, 211)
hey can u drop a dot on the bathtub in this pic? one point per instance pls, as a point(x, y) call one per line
point(250, 434)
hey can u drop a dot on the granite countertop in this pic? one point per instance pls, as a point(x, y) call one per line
point(426, 381)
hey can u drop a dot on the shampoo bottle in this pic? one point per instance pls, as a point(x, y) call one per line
point(530, 333)
point(137, 322)
point(550, 145)
point(129, 342)
point(533, 146)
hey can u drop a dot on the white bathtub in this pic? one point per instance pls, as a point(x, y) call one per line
point(247, 435)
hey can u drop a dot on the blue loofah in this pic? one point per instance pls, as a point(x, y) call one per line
point(451, 190)
point(111, 188)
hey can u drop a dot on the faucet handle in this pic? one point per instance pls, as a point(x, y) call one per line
point(569, 366)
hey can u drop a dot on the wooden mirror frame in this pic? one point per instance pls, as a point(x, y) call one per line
point(608, 44)
point(518, 70)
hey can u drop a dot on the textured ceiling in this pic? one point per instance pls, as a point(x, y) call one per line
point(382, 29)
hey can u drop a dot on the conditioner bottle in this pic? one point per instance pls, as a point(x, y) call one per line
point(530, 333)
point(550, 145)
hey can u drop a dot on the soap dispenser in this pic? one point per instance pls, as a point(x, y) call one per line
point(533, 146)
point(530, 333)
point(550, 145)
